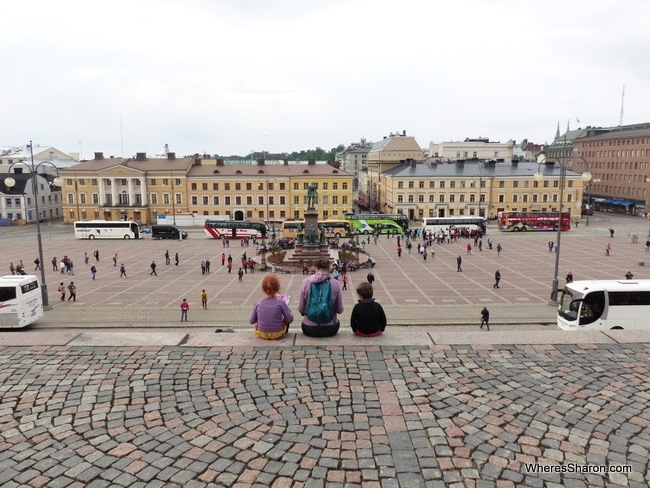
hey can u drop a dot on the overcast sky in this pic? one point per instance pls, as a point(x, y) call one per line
point(231, 76)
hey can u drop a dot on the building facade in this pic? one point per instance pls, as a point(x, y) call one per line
point(436, 189)
point(353, 159)
point(619, 161)
point(143, 189)
point(480, 148)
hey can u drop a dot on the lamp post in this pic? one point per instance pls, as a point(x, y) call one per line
point(538, 177)
point(10, 182)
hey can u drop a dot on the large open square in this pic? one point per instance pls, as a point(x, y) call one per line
point(412, 291)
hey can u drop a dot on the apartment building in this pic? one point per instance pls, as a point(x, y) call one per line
point(433, 189)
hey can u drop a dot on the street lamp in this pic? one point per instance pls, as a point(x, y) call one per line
point(10, 182)
point(538, 177)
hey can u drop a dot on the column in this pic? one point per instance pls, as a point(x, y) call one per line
point(3, 207)
point(102, 192)
point(114, 191)
point(143, 191)
point(129, 183)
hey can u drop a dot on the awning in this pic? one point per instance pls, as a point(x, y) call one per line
point(599, 200)
point(608, 200)
point(626, 204)
point(617, 202)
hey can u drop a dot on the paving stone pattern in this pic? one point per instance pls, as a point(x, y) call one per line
point(322, 416)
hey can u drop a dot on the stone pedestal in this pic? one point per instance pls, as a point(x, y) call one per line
point(310, 248)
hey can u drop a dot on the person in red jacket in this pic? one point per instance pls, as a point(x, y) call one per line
point(184, 309)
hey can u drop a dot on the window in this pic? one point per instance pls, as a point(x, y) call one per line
point(345, 185)
point(432, 184)
point(283, 200)
point(177, 181)
point(282, 186)
point(411, 184)
point(515, 198)
point(179, 198)
point(432, 198)
point(152, 182)
point(442, 198)
point(249, 186)
point(204, 186)
point(94, 181)
point(82, 198)
point(326, 186)
point(193, 186)
point(215, 200)
point(165, 198)
point(260, 200)
point(556, 184)
point(452, 184)
point(515, 184)
point(461, 198)
point(227, 200)
point(400, 185)
point(502, 184)
point(421, 184)
point(195, 200)
point(70, 198)
point(95, 198)
point(335, 200)
point(296, 187)
point(400, 198)
point(411, 198)
point(238, 200)
point(215, 186)
point(82, 182)
point(206, 200)
point(452, 198)
point(442, 184)
point(472, 198)
point(296, 199)
point(502, 198)
point(227, 186)
point(249, 200)
point(153, 197)
point(545, 183)
point(237, 186)
point(165, 181)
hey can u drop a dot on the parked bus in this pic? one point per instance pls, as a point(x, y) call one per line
point(604, 305)
point(448, 225)
point(525, 221)
point(333, 228)
point(106, 229)
point(21, 300)
point(234, 229)
point(400, 219)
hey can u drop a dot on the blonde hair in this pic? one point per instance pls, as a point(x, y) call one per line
point(271, 285)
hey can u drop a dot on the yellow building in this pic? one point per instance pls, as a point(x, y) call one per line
point(142, 189)
point(446, 189)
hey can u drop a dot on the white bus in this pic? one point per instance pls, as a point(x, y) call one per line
point(21, 301)
point(604, 305)
point(106, 229)
point(449, 224)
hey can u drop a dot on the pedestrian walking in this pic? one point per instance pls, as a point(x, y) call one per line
point(37, 262)
point(55, 263)
point(12, 268)
point(93, 271)
point(122, 270)
point(61, 290)
point(499, 249)
point(611, 232)
point(608, 249)
point(202, 267)
point(459, 261)
point(485, 318)
point(480, 245)
point(204, 299)
point(647, 245)
point(115, 260)
point(629, 275)
point(73, 292)
point(469, 248)
point(370, 278)
point(86, 258)
point(96, 254)
point(345, 281)
point(70, 267)
point(550, 246)
point(64, 265)
point(223, 258)
point(240, 273)
point(153, 268)
point(207, 266)
point(497, 278)
point(185, 307)
point(167, 260)
point(569, 277)
point(399, 251)
point(489, 242)
point(176, 259)
point(229, 266)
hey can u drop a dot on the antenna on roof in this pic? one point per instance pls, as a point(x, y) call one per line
point(620, 122)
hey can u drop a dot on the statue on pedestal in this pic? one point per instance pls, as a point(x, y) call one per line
point(300, 233)
point(312, 196)
point(311, 236)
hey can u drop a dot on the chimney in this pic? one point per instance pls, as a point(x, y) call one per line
point(311, 161)
point(171, 156)
point(411, 162)
point(219, 162)
point(334, 164)
point(99, 155)
point(286, 162)
point(140, 156)
point(260, 162)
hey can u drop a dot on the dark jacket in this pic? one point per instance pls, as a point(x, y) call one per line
point(368, 317)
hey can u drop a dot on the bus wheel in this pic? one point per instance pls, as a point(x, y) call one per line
point(91, 236)
point(127, 237)
point(337, 235)
point(365, 232)
point(618, 327)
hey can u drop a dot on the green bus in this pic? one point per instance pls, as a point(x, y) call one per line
point(383, 226)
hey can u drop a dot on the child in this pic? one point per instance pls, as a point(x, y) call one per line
point(240, 273)
point(368, 318)
point(271, 315)
point(204, 299)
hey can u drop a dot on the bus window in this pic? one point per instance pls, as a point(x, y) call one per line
point(7, 293)
point(592, 307)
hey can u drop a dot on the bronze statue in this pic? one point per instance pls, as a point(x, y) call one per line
point(311, 236)
point(312, 196)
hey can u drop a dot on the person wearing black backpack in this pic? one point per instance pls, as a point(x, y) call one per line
point(320, 301)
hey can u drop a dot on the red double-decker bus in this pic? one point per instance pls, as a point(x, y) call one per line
point(533, 221)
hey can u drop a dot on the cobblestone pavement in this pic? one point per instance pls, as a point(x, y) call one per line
point(321, 416)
